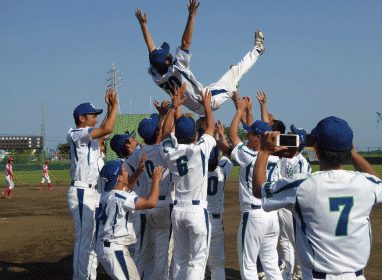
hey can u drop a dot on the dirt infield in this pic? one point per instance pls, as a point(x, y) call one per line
point(36, 235)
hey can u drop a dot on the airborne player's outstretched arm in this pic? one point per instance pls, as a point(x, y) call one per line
point(142, 19)
point(187, 34)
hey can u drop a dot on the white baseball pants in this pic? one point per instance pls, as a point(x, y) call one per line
point(45, 179)
point(307, 275)
point(117, 262)
point(216, 257)
point(82, 203)
point(11, 184)
point(192, 233)
point(155, 244)
point(257, 236)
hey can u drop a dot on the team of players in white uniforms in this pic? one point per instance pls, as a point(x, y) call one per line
point(175, 182)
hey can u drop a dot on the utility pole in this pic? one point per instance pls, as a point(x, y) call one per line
point(115, 76)
point(43, 124)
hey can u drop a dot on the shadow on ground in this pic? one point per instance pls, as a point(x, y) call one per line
point(62, 270)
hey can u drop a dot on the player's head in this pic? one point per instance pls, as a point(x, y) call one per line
point(46, 161)
point(213, 160)
point(161, 58)
point(86, 115)
point(115, 175)
point(185, 130)
point(147, 129)
point(117, 144)
point(10, 160)
point(130, 143)
point(254, 133)
point(333, 142)
point(278, 126)
point(301, 134)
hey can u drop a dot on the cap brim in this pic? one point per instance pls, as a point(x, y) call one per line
point(98, 111)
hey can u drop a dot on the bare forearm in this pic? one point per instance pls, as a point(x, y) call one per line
point(168, 122)
point(110, 119)
point(152, 199)
point(187, 34)
point(259, 173)
point(210, 120)
point(223, 146)
point(147, 36)
point(264, 113)
point(234, 128)
point(249, 118)
point(361, 164)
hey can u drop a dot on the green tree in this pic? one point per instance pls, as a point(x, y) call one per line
point(63, 148)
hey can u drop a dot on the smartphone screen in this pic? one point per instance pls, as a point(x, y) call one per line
point(289, 140)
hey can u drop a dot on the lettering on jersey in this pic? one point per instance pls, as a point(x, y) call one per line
point(267, 188)
point(270, 168)
point(347, 203)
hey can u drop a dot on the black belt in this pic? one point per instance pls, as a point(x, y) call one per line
point(89, 185)
point(215, 216)
point(106, 244)
point(253, 206)
point(194, 202)
point(162, 197)
point(322, 275)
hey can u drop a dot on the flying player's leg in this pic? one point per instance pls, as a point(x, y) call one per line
point(223, 89)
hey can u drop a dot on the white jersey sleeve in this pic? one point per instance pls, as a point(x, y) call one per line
point(182, 58)
point(226, 164)
point(281, 194)
point(378, 187)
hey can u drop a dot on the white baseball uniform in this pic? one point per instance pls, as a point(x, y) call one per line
point(9, 176)
point(215, 198)
point(331, 209)
point(258, 231)
point(156, 231)
point(83, 199)
point(288, 167)
point(45, 175)
point(188, 164)
point(115, 235)
point(179, 72)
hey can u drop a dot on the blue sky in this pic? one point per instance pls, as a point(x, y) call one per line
point(322, 58)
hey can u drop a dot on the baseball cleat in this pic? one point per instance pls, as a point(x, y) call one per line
point(259, 42)
point(261, 276)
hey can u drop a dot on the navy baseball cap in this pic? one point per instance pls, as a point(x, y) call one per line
point(258, 127)
point(130, 134)
point(185, 128)
point(110, 172)
point(301, 134)
point(333, 134)
point(148, 126)
point(117, 142)
point(159, 55)
point(86, 109)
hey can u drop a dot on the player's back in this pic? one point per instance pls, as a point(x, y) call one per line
point(333, 209)
point(154, 159)
point(188, 164)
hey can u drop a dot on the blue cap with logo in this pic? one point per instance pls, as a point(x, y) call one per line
point(147, 128)
point(301, 134)
point(86, 109)
point(333, 134)
point(110, 172)
point(258, 127)
point(159, 55)
point(185, 128)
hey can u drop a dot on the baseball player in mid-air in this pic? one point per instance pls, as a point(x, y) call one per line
point(258, 231)
point(45, 177)
point(9, 176)
point(117, 203)
point(82, 198)
point(331, 207)
point(168, 72)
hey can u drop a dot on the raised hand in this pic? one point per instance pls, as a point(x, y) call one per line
point(162, 108)
point(206, 98)
point(193, 6)
point(178, 95)
point(142, 162)
point(111, 97)
point(242, 104)
point(249, 102)
point(235, 98)
point(268, 143)
point(261, 97)
point(220, 128)
point(158, 172)
point(141, 16)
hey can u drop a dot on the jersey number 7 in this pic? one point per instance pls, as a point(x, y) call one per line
point(347, 203)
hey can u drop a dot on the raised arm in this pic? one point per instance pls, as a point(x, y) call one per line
point(142, 19)
point(235, 98)
point(249, 113)
point(262, 98)
point(361, 164)
point(107, 124)
point(152, 199)
point(187, 34)
point(234, 128)
point(222, 143)
point(177, 97)
point(162, 110)
point(209, 115)
point(134, 178)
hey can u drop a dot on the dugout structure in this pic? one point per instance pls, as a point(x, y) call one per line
point(125, 122)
